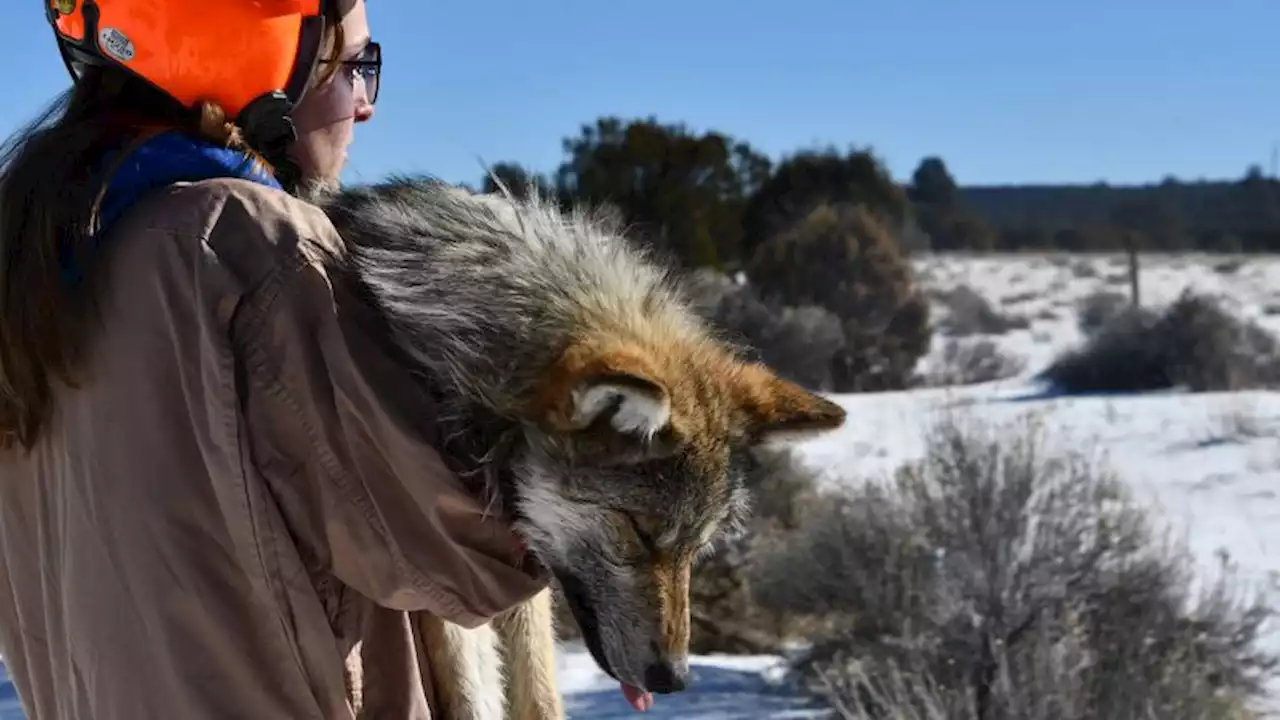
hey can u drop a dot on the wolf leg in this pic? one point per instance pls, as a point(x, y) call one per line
point(464, 666)
point(527, 632)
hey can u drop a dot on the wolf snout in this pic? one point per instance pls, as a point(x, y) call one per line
point(664, 676)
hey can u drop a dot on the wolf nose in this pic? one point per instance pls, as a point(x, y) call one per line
point(666, 677)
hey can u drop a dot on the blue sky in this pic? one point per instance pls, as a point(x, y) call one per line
point(1003, 90)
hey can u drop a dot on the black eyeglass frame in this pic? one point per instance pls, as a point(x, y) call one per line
point(370, 70)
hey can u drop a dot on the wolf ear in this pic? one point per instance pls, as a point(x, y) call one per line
point(780, 411)
point(635, 405)
point(587, 386)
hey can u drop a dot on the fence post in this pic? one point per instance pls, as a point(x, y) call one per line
point(1131, 246)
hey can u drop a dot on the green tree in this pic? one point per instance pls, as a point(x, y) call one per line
point(517, 180)
point(682, 191)
point(812, 178)
point(843, 258)
point(932, 183)
point(942, 214)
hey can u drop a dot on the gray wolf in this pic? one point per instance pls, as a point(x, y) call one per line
point(585, 398)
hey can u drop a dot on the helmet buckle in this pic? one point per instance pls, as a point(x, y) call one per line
point(266, 124)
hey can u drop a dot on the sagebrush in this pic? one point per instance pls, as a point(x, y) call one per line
point(994, 580)
point(969, 361)
point(970, 313)
point(1195, 343)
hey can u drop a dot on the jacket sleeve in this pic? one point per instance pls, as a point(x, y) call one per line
point(344, 438)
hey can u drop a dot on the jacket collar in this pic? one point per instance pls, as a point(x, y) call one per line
point(159, 161)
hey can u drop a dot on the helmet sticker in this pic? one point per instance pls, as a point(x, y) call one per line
point(64, 7)
point(116, 44)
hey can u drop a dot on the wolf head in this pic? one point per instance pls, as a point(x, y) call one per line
point(629, 424)
point(634, 467)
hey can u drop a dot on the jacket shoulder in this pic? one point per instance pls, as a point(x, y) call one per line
point(250, 228)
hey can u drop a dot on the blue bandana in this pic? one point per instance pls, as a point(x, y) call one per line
point(157, 163)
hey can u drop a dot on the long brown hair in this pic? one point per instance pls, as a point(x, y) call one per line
point(47, 198)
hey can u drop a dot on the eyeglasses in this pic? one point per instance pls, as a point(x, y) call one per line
point(367, 65)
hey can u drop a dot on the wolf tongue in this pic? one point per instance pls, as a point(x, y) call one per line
point(639, 699)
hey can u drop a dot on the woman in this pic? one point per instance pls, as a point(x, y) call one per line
point(213, 484)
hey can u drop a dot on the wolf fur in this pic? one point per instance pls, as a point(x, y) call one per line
point(588, 401)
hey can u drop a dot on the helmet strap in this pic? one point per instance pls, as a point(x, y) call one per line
point(269, 131)
point(78, 54)
point(266, 123)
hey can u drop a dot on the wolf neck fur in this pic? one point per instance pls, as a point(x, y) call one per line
point(452, 274)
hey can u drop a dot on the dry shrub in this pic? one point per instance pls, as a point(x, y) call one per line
point(1229, 267)
point(1194, 343)
point(996, 581)
point(970, 313)
point(1084, 269)
point(1022, 297)
point(1100, 308)
point(969, 362)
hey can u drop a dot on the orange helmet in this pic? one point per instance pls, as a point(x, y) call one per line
point(237, 53)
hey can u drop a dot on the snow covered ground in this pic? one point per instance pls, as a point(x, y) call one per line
point(1209, 464)
point(728, 688)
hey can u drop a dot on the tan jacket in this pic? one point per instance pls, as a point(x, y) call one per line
point(238, 492)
